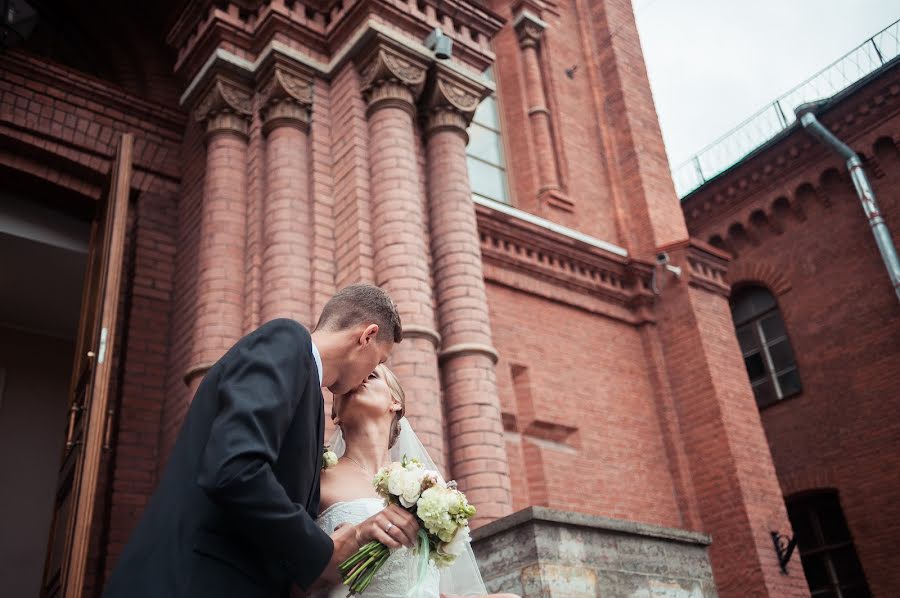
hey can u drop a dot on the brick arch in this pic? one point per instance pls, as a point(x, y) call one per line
point(78, 175)
point(757, 273)
point(820, 479)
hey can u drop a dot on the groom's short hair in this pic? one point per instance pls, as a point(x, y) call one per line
point(362, 304)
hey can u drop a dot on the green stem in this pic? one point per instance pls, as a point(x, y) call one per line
point(359, 568)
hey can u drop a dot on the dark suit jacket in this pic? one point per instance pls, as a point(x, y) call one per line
point(234, 513)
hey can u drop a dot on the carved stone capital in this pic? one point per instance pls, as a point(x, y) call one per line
point(225, 107)
point(450, 100)
point(391, 76)
point(287, 98)
point(529, 29)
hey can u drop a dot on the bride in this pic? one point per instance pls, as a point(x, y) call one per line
point(372, 432)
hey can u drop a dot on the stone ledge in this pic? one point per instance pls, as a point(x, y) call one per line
point(619, 526)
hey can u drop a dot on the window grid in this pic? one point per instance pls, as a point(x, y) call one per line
point(489, 180)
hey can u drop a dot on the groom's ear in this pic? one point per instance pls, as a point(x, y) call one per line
point(369, 335)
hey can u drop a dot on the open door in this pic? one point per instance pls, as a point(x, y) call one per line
point(89, 411)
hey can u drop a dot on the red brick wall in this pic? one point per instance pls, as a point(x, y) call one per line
point(587, 436)
point(821, 262)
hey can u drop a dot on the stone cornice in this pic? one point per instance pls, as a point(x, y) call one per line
point(851, 116)
point(516, 245)
point(707, 266)
point(223, 61)
point(247, 27)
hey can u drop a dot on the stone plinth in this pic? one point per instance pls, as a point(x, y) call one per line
point(540, 552)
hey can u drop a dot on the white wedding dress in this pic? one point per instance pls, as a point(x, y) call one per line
point(398, 574)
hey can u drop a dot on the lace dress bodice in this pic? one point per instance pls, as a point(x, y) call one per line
point(397, 575)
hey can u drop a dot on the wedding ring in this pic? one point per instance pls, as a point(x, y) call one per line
point(387, 530)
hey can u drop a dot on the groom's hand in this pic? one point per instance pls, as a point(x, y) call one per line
point(393, 527)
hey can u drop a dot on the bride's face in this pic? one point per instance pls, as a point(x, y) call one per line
point(372, 400)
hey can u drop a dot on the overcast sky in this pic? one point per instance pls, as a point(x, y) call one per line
point(712, 63)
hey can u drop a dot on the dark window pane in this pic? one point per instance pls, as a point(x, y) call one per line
point(765, 393)
point(803, 528)
point(846, 564)
point(816, 573)
point(773, 326)
point(857, 591)
point(747, 339)
point(781, 354)
point(789, 383)
point(832, 521)
point(750, 303)
point(755, 367)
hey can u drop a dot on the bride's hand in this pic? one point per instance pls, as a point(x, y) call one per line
point(393, 527)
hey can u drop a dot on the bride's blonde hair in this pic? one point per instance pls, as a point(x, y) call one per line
point(397, 393)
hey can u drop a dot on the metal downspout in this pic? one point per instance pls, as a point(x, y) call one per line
point(863, 190)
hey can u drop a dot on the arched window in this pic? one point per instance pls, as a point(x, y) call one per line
point(829, 558)
point(484, 154)
point(765, 345)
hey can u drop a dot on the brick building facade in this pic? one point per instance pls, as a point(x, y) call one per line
point(792, 222)
point(269, 153)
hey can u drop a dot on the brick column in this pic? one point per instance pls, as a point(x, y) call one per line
point(738, 496)
point(287, 229)
point(477, 447)
point(530, 30)
point(391, 82)
point(225, 109)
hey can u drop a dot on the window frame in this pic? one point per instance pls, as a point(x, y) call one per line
point(503, 167)
point(809, 505)
point(763, 347)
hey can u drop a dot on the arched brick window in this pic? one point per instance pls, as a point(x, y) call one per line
point(829, 558)
point(484, 154)
point(767, 351)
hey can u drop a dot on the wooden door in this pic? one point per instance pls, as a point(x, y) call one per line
point(89, 412)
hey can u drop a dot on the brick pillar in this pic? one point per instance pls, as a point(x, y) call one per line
point(530, 29)
point(391, 82)
point(477, 445)
point(287, 229)
point(737, 492)
point(225, 108)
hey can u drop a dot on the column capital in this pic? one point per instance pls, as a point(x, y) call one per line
point(529, 28)
point(286, 91)
point(450, 100)
point(390, 75)
point(225, 106)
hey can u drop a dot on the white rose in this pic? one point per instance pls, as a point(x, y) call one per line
point(459, 541)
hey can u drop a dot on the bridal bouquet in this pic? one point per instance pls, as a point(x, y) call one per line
point(443, 513)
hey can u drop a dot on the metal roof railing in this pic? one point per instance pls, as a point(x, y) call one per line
point(777, 116)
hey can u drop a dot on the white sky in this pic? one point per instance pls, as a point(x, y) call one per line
point(713, 63)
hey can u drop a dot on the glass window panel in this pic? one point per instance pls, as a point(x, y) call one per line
point(747, 339)
point(803, 528)
point(816, 572)
point(781, 354)
point(773, 326)
point(762, 300)
point(764, 393)
point(751, 302)
point(755, 368)
point(857, 591)
point(790, 383)
point(846, 564)
point(832, 521)
point(487, 180)
point(486, 114)
point(484, 144)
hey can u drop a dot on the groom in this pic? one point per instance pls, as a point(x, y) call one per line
point(234, 512)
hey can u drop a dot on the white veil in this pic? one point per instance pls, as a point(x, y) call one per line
point(463, 576)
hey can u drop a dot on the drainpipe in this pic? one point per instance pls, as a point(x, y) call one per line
point(863, 190)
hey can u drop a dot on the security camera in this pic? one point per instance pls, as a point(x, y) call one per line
point(662, 258)
point(440, 44)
